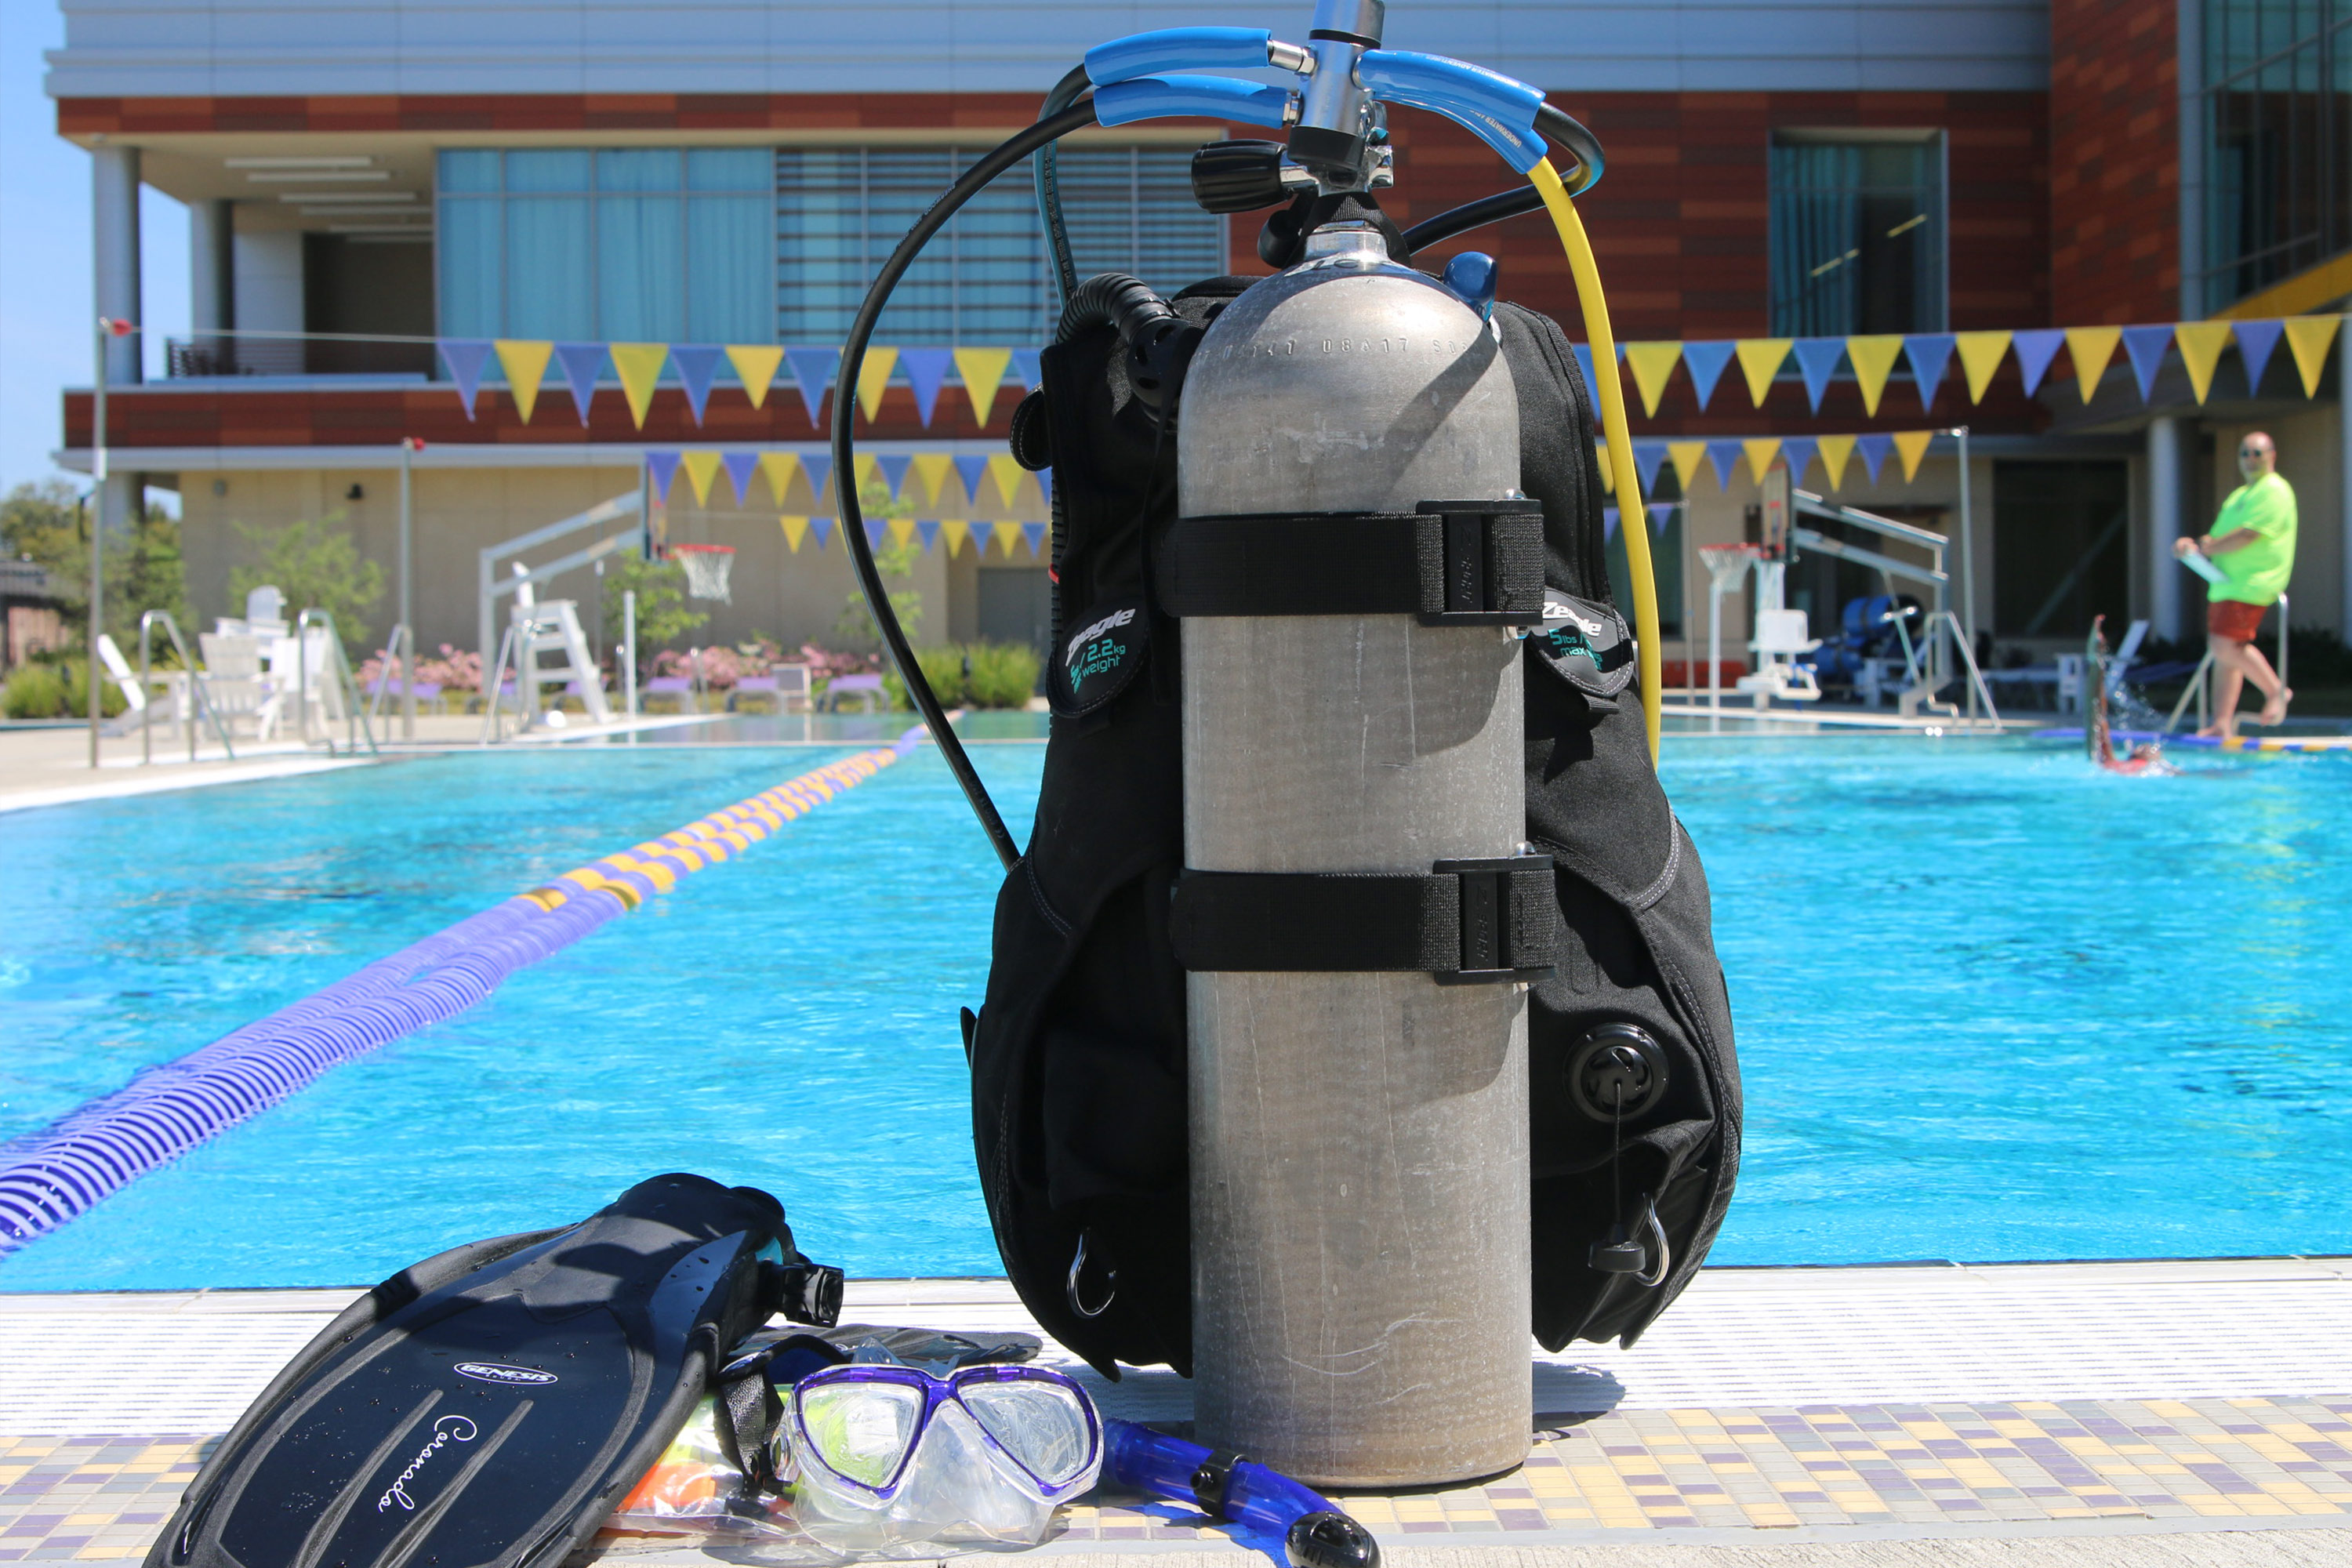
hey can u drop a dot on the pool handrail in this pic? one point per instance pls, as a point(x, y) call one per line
point(401, 640)
point(355, 718)
point(203, 703)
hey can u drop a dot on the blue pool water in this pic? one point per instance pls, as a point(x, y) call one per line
point(1990, 1005)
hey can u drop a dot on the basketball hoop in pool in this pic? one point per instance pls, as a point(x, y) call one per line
point(707, 568)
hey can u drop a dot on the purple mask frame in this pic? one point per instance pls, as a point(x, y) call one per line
point(937, 1392)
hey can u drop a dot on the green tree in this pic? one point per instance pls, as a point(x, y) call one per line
point(317, 567)
point(854, 628)
point(662, 614)
point(48, 525)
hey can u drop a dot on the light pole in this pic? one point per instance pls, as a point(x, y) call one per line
point(108, 326)
point(409, 447)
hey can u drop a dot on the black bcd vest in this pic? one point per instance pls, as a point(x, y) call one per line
point(1078, 1052)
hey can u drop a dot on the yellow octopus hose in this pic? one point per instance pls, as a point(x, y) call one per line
point(1633, 518)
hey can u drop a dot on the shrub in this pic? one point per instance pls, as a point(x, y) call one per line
point(33, 691)
point(316, 566)
point(1004, 674)
point(943, 668)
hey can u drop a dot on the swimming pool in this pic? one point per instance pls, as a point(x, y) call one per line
point(1992, 1005)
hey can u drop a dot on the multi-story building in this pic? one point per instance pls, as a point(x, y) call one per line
point(365, 179)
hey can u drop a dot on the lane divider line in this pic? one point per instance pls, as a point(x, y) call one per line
point(49, 1177)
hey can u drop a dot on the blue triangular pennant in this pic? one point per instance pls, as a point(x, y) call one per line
point(1024, 365)
point(971, 466)
point(876, 527)
point(1726, 456)
point(818, 466)
point(1045, 488)
point(698, 365)
point(1609, 517)
point(1034, 533)
point(1817, 361)
point(661, 468)
point(1584, 363)
point(926, 529)
point(2146, 345)
point(820, 526)
point(583, 363)
point(465, 357)
point(2035, 350)
point(1648, 456)
point(1930, 354)
point(1661, 513)
point(740, 467)
point(1798, 451)
point(926, 371)
point(1873, 450)
point(1705, 362)
point(893, 466)
point(813, 369)
point(2255, 342)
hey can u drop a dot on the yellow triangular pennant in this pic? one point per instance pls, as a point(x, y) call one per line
point(638, 365)
point(1760, 453)
point(1873, 360)
point(795, 530)
point(1654, 365)
point(1980, 355)
point(1006, 473)
point(955, 530)
point(2201, 343)
point(1008, 536)
point(2091, 348)
point(873, 375)
point(902, 529)
point(1686, 457)
point(984, 372)
point(1759, 361)
point(1836, 452)
point(2307, 338)
point(866, 470)
point(525, 363)
point(932, 468)
point(1608, 469)
point(701, 466)
point(1913, 446)
point(777, 469)
point(756, 364)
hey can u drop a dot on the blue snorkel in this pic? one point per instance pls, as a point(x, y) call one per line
point(1334, 111)
point(1315, 1533)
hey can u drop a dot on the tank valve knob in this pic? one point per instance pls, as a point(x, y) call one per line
point(1243, 176)
point(1472, 276)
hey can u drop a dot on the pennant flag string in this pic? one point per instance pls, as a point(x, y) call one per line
point(525, 364)
point(583, 365)
point(2257, 340)
point(466, 358)
point(698, 367)
point(755, 366)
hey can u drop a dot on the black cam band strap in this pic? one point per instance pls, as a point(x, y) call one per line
point(1468, 922)
point(1450, 563)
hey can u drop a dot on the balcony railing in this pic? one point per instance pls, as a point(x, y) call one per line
point(241, 353)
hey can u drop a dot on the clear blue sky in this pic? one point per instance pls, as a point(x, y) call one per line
point(47, 315)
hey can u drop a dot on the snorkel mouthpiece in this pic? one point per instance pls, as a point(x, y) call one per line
point(1329, 1540)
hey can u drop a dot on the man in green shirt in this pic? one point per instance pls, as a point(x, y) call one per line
point(2246, 560)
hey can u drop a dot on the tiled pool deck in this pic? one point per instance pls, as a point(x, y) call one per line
point(2175, 1412)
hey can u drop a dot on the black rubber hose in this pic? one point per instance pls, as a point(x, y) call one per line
point(1067, 91)
point(844, 452)
point(1562, 131)
point(1115, 300)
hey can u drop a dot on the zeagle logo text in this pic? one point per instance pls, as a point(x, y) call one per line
point(1093, 652)
point(447, 1430)
point(499, 1371)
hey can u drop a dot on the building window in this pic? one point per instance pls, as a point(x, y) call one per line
point(1857, 233)
point(840, 211)
point(629, 245)
point(2278, 86)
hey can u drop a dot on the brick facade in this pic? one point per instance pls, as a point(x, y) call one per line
point(2115, 161)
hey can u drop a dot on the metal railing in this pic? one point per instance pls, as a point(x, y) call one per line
point(236, 354)
point(399, 648)
point(355, 717)
point(199, 702)
point(2200, 687)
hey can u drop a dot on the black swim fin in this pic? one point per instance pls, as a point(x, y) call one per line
point(488, 1407)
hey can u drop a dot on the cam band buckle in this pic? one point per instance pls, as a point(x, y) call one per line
point(1450, 563)
point(1468, 922)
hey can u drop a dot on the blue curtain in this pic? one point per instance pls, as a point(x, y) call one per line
point(640, 269)
point(549, 293)
point(467, 246)
point(730, 269)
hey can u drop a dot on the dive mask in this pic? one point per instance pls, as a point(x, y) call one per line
point(881, 1453)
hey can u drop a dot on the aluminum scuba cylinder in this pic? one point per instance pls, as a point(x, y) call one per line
point(1359, 1158)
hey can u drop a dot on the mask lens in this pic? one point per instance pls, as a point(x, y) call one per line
point(861, 1431)
point(1040, 1424)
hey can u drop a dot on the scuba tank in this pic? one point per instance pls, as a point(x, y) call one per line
point(1352, 1009)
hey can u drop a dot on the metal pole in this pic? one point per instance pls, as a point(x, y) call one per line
point(409, 444)
point(1968, 565)
point(629, 653)
point(97, 528)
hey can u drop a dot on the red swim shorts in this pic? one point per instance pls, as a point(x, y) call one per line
point(2233, 618)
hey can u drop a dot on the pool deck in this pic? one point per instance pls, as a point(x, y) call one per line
point(2151, 1412)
